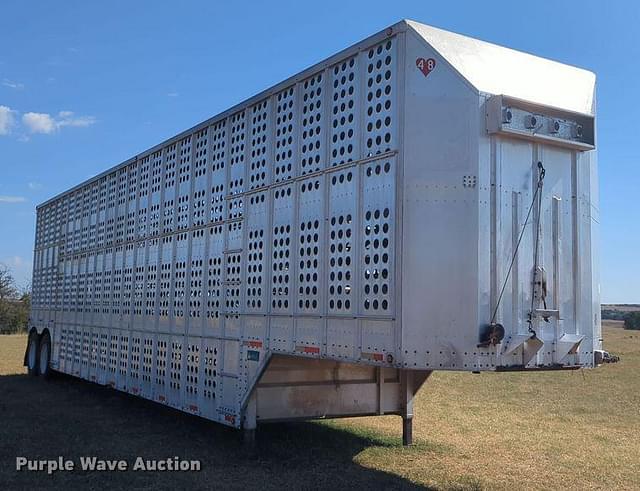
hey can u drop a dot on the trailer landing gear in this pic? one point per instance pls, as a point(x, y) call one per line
point(407, 431)
point(406, 393)
point(249, 424)
point(324, 389)
point(249, 437)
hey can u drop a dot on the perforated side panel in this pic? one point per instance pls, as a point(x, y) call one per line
point(210, 369)
point(258, 171)
point(344, 112)
point(136, 350)
point(155, 188)
point(169, 192)
point(217, 171)
point(192, 377)
point(199, 193)
point(380, 111)
point(180, 282)
point(165, 291)
point(343, 216)
point(215, 278)
point(123, 362)
point(147, 363)
point(310, 230)
point(183, 209)
point(311, 125)
point(282, 252)
point(196, 281)
point(233, 262)
point(285, 135)
point(256, 254)
point(139, 284)
point(377, 232)
point(237, 170)
point(268, 229)
point(161, 365)
point(86, 351)
point(151, 284)
point(175, 381)
point(103, 351)
point(93, 354)
point(114, 353)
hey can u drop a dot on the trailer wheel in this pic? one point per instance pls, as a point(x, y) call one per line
point(44, 356)
point(32, 353)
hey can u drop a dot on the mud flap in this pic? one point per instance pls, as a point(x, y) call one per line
point(26, 350)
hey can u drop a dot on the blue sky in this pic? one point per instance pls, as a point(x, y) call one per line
point(85, 85)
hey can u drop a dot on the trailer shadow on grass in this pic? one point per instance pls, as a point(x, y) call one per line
point(72, 418)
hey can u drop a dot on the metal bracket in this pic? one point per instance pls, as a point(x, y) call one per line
point(546, 313)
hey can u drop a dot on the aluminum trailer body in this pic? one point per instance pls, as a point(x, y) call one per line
point(420, 201)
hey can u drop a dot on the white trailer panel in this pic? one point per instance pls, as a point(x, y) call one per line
point(419, 201)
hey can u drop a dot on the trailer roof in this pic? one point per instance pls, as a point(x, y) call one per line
point(497, 70)
point(488, 67)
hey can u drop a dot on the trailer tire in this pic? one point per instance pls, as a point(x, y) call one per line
point(44, 356)
point(33, 348)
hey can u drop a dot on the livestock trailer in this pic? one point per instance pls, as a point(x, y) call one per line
point(419, 201)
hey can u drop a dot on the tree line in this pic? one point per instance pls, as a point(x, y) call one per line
point(15, 304)
point(632, 321)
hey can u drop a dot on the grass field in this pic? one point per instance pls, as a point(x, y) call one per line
point(550, 430)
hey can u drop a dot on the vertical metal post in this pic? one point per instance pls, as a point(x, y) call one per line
point(380, 379)
point(406, 388)
point(249, 422)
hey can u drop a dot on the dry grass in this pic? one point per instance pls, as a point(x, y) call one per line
point(549, 430)
point(552, 430)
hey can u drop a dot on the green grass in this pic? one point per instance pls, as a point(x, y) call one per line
point(549, 430)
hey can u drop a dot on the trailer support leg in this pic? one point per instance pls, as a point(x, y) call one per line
point(407, 431)
point(249, 437)
point(407, 392)
point(249, 422)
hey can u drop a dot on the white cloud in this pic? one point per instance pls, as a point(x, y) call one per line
point(45, 123)
point(67, 118)
point(34, 186)
point(12, 199)
point(11, 84)
point(39, 122)
point(7, 120)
